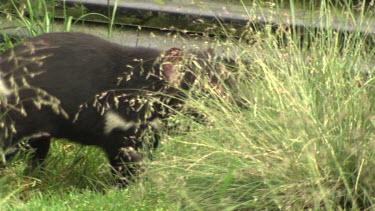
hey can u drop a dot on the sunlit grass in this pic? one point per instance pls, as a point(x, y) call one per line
point(302, 140)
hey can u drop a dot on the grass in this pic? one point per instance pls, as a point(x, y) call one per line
point(303, 139)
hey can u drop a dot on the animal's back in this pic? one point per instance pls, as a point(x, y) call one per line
point(72, 68)
point(73, 65)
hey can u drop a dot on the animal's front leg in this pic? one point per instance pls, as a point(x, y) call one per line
point(123, 151)
point(127, 165)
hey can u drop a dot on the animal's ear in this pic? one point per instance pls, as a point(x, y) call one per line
point(172, 65)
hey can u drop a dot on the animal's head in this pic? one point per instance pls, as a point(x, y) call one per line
point(196, 71)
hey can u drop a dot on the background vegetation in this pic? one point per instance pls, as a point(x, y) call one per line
point(303, 138)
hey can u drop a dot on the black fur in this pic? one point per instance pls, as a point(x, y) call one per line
point(66, 84)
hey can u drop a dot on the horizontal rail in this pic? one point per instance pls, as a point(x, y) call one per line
point(244, 13)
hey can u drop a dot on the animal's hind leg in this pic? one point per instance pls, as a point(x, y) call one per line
point(40, 147)
point(36, 147)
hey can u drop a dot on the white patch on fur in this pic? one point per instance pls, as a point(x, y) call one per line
point(114, 120)
point(39, 135)
point(155, 123)
point(3, 89)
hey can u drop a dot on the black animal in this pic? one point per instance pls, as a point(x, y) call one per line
point(93, 92)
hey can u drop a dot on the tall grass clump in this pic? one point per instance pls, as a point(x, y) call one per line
point(302, 138)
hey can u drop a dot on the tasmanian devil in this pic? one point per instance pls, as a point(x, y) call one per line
point(88, 90)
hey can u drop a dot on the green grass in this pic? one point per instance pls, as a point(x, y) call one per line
point(304, 139)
